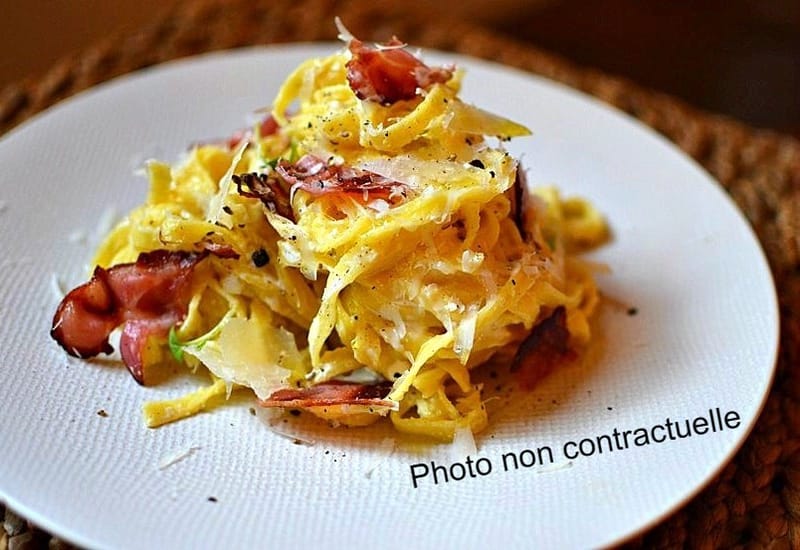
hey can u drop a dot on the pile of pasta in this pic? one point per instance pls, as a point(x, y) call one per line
point(407, 287)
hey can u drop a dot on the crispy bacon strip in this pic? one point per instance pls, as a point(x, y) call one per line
point(330, 394)
point(314, 175)
point(147, 297)
point(220, 250)
point(518, 195)
point(266, 127)
point(545, 348)
point(266, 188)
point(389, 73)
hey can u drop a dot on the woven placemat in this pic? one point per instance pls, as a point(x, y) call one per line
point(755, 501)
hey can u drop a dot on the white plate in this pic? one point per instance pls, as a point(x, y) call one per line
point(705, 337)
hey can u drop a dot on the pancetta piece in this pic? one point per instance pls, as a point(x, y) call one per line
point(267, 127)
point(146, 297)
point(546, 347)
point(330, 394)
point(266, 188)
point(389, 73)
point(315, 176)
point(518, 197)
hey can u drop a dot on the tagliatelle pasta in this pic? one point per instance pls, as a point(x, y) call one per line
point(357, 253)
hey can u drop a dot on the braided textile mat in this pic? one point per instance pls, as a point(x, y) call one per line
point(755, 501)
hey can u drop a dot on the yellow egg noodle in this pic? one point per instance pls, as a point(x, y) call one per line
point(416, 292)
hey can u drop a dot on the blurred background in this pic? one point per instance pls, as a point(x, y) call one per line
point(735, 57)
